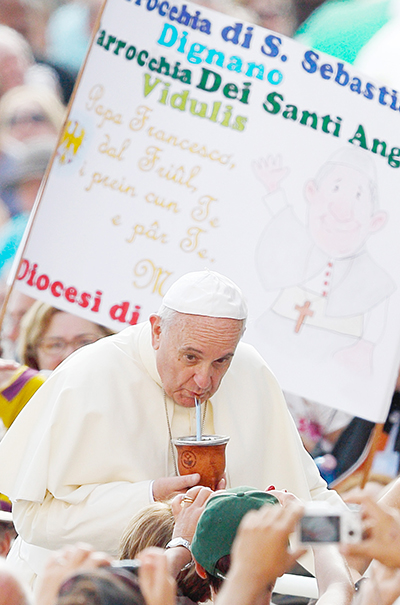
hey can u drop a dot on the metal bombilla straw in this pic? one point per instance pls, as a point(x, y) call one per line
point(198, 418)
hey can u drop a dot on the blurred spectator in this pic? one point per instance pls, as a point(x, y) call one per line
point(277, 15)
point(237, 9)
point(25, 180)
point(319, 425)
point(18, 384)
point(379, 58)
point(12, 591)
point(30, 18)
point(304, 8)
point(17, 306)
point(49, 335)
point(16, 59)
point(28, 112)
point(342, 27)
point(375, 487)
point(7, 532)
point(69, 31)
point(28, 115)
point(17, 64)
point(114, 587)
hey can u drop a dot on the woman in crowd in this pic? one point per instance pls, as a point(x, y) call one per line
point(48, 336)
point(28, 115)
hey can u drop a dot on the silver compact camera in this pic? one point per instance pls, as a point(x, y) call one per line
point(323, 523)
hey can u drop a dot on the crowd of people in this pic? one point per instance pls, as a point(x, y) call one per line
point(91, 512)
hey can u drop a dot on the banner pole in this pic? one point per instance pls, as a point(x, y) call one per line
point(377, 432)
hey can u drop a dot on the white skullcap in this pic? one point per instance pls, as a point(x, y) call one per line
point(206, 293)
point(356, 158)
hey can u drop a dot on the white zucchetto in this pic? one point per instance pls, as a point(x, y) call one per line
point(206, 293)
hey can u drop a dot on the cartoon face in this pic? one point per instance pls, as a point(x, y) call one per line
point(341, 214)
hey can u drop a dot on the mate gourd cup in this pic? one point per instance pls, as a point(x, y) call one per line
point(206, 457)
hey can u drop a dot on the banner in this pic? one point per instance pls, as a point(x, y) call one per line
point(196, 140)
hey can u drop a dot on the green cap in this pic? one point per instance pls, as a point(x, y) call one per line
point(218, 524)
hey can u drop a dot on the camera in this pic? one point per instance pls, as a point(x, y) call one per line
point(323, 523)
point(131, 565)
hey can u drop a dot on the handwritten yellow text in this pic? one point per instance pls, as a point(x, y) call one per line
point(118, 185)
point(190, 243)
point(177, 174)
point(143, 114)
point(161, 202)
point(113, 152)
point(150, 276)
point(202, 211)
point(106, 114)
point(153, 233)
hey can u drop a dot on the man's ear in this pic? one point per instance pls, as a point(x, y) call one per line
point(378, 220)
point(200, 570)
point(155, 331)
point(310, 190)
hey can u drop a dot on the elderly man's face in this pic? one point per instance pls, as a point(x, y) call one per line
point(193, 355)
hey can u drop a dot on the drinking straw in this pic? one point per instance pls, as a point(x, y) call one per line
point(198, 419)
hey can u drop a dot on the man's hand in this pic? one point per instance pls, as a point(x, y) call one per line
point(165, 487)
point(386, 580)
point(188, 513)
point(260, 553)
point(270, 172)
point(156, 584)
point(261, 544)
point(382, 534)
point(8, 367)
point(63, 564)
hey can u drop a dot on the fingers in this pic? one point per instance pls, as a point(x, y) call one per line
point(9, 364)
point(165, 487)
point(198, 494)
point(222, 484)
point(183, 483)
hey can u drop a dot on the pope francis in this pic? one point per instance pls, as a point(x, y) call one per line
point(94, 444)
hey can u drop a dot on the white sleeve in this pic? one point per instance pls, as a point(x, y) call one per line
point(316, 484)
point(95, 514)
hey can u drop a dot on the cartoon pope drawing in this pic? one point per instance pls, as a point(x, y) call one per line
point(332, 294)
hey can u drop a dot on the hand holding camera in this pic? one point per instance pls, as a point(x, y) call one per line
point(324, 524)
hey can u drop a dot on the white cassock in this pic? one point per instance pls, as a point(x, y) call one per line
point(79, 459)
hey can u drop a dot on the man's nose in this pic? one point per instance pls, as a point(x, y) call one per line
point(342, 209)
point(203, 377)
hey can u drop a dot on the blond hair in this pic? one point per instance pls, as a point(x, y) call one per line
point(153, 526)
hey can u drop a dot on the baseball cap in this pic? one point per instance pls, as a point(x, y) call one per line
point(218, 524)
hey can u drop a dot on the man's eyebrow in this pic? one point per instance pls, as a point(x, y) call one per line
point(189, 349)
point(227, 355)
